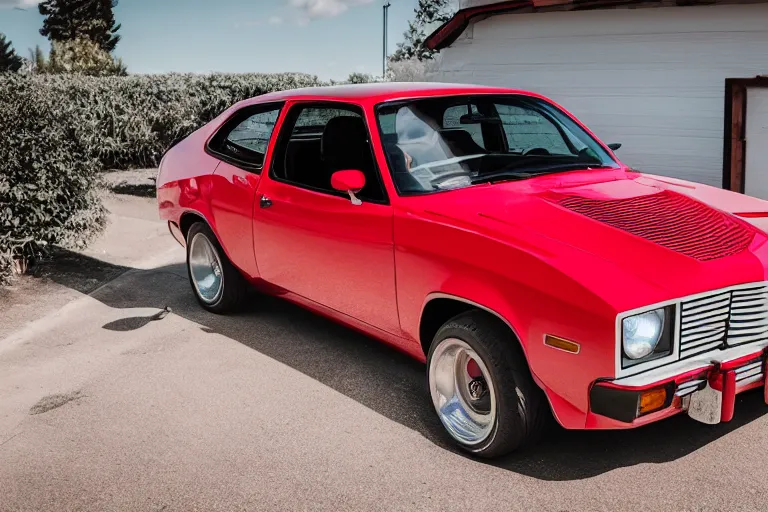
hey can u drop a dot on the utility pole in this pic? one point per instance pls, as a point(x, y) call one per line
point(387, 4)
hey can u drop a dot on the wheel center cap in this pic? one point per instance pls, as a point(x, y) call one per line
point(477, 388)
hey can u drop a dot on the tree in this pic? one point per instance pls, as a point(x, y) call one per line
point(360, 78)
point(37, 58)
point(411, 70)
point(67, 20)
point(428, 14)
point(9, 61)
point(81, 57)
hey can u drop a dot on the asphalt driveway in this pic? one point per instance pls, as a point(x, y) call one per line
point(106, 403)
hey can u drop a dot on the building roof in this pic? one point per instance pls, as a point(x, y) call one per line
point(446, 34)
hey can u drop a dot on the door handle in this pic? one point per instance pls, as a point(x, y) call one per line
point(265, 202)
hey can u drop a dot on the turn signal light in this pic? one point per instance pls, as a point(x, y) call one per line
point(562, 344)
point(652, 400)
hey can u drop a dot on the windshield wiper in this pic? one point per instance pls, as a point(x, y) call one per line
point(502, 176)
point(539, 171)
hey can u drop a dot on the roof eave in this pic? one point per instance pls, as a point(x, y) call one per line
point(447, 33)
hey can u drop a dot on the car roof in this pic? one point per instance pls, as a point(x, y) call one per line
point(378, 92)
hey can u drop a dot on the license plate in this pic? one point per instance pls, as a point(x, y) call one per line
point(706, 406)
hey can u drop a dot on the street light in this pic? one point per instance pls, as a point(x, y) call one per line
point(387, 4)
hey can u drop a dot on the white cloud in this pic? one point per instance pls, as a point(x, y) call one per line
point(22, 4)
point(315, 9)
point(275, 20)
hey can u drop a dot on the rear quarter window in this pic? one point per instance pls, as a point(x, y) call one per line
point(244, 139)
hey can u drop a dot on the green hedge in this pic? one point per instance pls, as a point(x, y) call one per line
point(57, 132)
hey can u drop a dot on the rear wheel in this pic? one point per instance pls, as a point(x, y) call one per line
point(481, 387)
point(218, 285)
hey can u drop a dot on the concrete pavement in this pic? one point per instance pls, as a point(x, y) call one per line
point(103, 407)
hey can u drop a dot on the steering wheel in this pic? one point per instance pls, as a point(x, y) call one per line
point(536, 152)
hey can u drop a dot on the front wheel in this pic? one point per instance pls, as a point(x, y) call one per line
point(481, 387)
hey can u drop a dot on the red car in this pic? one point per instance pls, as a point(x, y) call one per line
point(487, 232)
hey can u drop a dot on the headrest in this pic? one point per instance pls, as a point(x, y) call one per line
point(342, 136)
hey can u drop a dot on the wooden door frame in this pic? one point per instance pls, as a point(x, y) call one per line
point(735, 145)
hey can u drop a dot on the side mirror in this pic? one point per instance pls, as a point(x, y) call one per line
point(615, 146)
point(350, 182)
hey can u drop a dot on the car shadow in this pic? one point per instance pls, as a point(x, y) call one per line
point(393, 384)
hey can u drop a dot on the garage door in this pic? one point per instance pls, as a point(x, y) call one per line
point(756, 132)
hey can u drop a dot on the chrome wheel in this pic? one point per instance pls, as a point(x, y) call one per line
point(205, 269)
point(462, 392)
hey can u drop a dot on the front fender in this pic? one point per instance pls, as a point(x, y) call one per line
point(531, 295)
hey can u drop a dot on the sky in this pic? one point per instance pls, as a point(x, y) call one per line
point(327, 38)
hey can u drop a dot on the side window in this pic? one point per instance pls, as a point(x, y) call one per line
point(319, 140)
point(528, 129)
point(314, 120)
point(244, 139)
point(452, 123)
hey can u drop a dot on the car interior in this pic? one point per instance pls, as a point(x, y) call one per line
point(314, 152)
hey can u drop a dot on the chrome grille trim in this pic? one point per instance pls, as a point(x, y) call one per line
point(724, 319)
point(690, 387)
point(707, 310)
point(751, 380)
point(703, 323)
point(748, 321)
point(697, 320)
point(749, 372)
point(748, 367)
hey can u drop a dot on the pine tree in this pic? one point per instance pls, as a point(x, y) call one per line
point(67, 20)
point(429, 13)
point(9, 61)
point(37, 57)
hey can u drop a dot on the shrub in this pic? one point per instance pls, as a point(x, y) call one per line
point(58, 131)
point(131, 121)
point(48, 181)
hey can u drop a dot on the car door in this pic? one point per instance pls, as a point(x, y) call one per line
point(312, 240)
point(241, 145)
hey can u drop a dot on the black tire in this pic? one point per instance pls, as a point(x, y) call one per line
point(234, 286)
point(522, 408)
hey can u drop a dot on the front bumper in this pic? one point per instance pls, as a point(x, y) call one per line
point(707, 394)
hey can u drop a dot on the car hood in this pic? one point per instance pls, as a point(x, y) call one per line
point(677, 237)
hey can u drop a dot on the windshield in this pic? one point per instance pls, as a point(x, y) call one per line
point(455, 142)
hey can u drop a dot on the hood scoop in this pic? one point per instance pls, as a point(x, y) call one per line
point(669, 219)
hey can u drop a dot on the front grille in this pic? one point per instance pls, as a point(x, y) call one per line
point(671, 220)
point(690, 387)
point(703, 324)
point(724, 319)
point(749, 316)
point(750, 372)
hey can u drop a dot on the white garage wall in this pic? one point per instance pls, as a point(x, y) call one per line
point(652, 79)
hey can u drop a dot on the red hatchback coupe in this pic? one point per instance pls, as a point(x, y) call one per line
point(487, 232)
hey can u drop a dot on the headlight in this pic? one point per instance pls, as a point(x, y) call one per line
point(642, 333)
